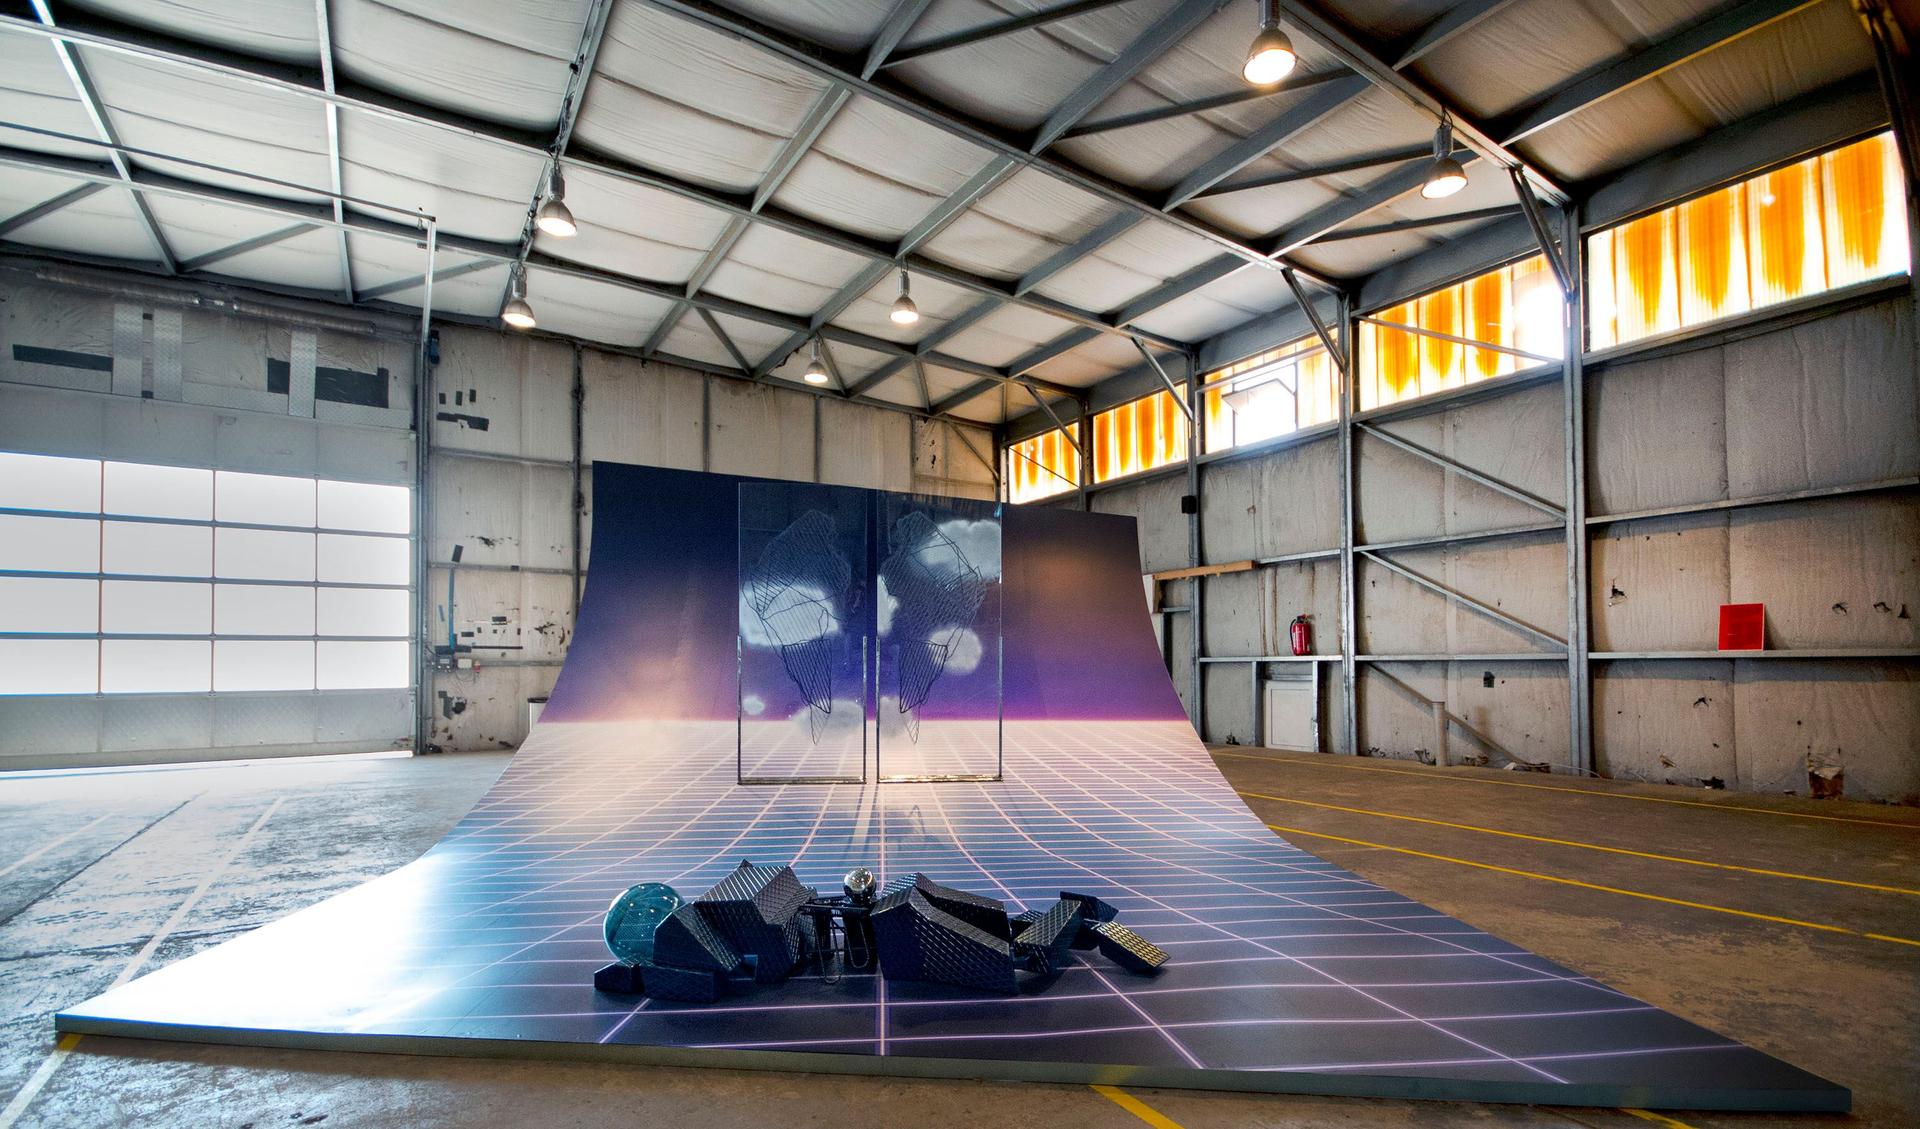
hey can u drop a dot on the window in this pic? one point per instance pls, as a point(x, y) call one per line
point(1499, 323)
point(1278, 392)
point(1139, 436)
point(1822, 223)
point(127, 578)
point(1041, 467)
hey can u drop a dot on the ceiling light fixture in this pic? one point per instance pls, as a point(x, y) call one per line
point(1271, 58)
point(516, 312)
point(554, 217)
point(816, 372)
point(904, 311)
point(1446, 177)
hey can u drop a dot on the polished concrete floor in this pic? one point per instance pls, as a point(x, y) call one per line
point(1777, 921)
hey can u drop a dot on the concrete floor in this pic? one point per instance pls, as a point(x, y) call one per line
point(102, 876)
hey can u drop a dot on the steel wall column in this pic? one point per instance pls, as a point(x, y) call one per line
point(1349, 632)
point(1196, 585)
point(423, 666)
point(578, 500)
point(1573, 383)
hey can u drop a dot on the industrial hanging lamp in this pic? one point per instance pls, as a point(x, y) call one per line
point(816, 372)
point(554, 217)
point(516, 312)
point(1271, 58)
point(1446, 176)
point(904, 311)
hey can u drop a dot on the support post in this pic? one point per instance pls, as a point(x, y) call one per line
point(578, 500)
point(1579, 666)
point(1439, 732)
point(423, 666)
point(1196, 586)
point(1349, 719)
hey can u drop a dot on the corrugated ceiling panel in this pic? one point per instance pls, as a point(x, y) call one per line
point(1006, 334)
point(937, 302)
point(472, 187)
point(675, 96)
point(1141, 258)
point(195, 227)
point(1262, 211)
point(378, 261)
point(35, 91)
point(101, 224)
point(635, 230)
point(596, 311)
point(1392, 20)
point(690, 338)
point(1354, 258)
point(504, 60)
point(311, 261)
point(1104, 356)
point(206, 118)
point(1207, 63)
point(878, 172)
point(984, 408)
point(840, 24)
point(23, 189)
point(1018, 225)
point(756, 339)
point(777, 271)
point(287, 30)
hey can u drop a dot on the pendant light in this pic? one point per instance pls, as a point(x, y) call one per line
point(816, 372)
point(554, 217)
point(1271, 58)
point(516, 312)
point(904, 311)
point(1446, 176)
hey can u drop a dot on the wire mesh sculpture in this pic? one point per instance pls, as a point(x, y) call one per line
point(798, 590)
point(937, 591)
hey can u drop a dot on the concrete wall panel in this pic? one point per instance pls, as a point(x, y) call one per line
point(636, 412)
point(862, 446)
point(1657, 585)
point(1665, 722)
point(1861, 719)
point(1840, 572)
point(762, 431)
point(1656, 433)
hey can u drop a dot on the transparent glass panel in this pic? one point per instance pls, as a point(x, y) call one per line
point(41, 482)
point(152, 607)
point(262, 499)
point(360, 505)
point(365, 611)
point(145, 490)
point(805, 624)
point(262, 609)
point(361, 666)
point(49, 666)
point(145, 549)
point(34, 603)
point(252, 664)
point(345, 559)
point(263, 554)
point(49, 544)
point(938, 622)
point(155, 666)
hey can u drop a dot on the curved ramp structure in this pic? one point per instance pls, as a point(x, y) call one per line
point(1287, 973)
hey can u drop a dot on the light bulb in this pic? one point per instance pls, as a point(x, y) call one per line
point(556, 219)
point(1271, 58)
point(1444, 179)
point(904, 311)
point(518, 314)
point(815, 374)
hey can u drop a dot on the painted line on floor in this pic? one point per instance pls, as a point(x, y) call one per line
point(1659, 1119)
point(1128, 1102)
point(57, 843)
point(1587, 846)
point(1442, 775)
point(38, 1080)
point(1821, 926)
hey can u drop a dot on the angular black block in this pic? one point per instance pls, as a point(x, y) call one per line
point(684, 985)
point(1128, 949)
point(917, 940)
point(757, 910)
point(989, 915)
point(617, 978)
point(687, 940)
point(1043, 946)
point(1093, 911)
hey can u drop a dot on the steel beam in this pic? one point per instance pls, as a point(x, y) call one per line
point(899, 22)
point(1357, 164)
point(1456, 21)
point(1294, 85)
point(1334, 352)
point(1537, 223)
point(713, 326)
point(1463, 470)
point(1080, 248)
point(46, 208)
point(927, 344)
point(1487, 610)
point(1418, 224)
point(1172, 388)
point(1132, 59)
point(1471, 343)
point(920, 381)
point(994, 29)
point(1292, 122)
point(199, 262)
point(323, 20)
point(948, 403)
point(441, 275)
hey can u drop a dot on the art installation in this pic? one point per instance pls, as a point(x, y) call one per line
point(853, 781)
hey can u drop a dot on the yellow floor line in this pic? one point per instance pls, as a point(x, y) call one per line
point(1824, 928)
point(1587, 846)
point(1659, 1119)
point(1335, 761)
point(1135, 1106)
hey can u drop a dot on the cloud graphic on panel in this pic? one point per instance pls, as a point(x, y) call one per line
point(934, 590)
point(797, 590)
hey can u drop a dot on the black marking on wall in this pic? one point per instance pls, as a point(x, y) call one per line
point(477, 423)
point(62, 358)
point(339, 385)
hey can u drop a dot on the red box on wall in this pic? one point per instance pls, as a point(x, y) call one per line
point(1743, 627)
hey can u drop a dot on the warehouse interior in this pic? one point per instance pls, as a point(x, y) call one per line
point(1517, 402)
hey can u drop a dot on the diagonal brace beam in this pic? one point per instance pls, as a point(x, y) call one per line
point(1469, 602)
point(1462, 470)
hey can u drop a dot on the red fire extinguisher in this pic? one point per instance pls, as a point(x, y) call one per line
point(1301, 635)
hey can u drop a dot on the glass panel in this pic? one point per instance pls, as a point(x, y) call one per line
point(263, 554)
point(346, 559)
point(359, 505)
point(145, 549)
point(41, 482)
point(49, 666)
point(262, 665)
point(1041, 467)
point(938, 629)
point(361, 666)
point(33, 603)
point(805, 621)
point(262, 609)
point(149, 607)
point(49, 544)
point(144, 490)
point(1139, 436)
point(155, 666)
point(365, 611)
point(262, 499)
point(1273, 394)
point(1518, 307)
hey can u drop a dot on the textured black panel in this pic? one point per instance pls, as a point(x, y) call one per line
point(1128, 949)
point(918, 941)
point(757, 909)
point(684, 985)
point(687, 940)
point(1093, 911)
point(989, 915)
point(1043, 946)
point(617, 978)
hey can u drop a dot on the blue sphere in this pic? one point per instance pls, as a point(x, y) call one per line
point(633, 917)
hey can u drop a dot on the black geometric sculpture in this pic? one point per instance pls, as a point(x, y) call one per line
point(756, 909)
point(687, 940)
point(684, 985)
point(919, 941)
point(1043, 940)
point(989, 915)
point(1128, 949)
point(1093, 911)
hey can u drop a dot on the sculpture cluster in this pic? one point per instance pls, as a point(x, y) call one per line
point(761, 919)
